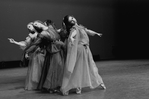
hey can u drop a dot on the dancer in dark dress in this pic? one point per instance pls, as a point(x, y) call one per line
point(43, 41)
point(54, 77)
point(52, 70)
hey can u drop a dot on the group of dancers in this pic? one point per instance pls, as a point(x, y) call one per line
point(59, 60)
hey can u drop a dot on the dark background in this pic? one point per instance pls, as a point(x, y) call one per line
point(132, 29)
point(123, 23)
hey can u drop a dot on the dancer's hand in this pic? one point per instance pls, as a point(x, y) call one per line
point(11, 40)
point(26, 55)
point(99, 34)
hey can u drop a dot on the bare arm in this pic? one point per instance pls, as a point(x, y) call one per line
point(91, 32)
point(21, 43)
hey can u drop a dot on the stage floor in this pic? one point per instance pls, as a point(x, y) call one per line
point(124, 79)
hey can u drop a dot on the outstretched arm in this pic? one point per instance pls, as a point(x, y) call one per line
point(21, 43)
point(91, 32)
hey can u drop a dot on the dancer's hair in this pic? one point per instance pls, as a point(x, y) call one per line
point(68, 23)
point(50, 22)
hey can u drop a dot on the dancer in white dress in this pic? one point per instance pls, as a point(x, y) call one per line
point(80, 68)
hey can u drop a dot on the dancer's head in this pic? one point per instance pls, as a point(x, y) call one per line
point(31, 28)
point(39, 26)
point(48, 22)
point(72, 20)
point(32, 32)
point(69, 21)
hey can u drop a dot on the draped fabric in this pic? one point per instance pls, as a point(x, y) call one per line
point(45, 41)
point(80, 68)
point(35, 64)
point(53, 65)
point(55, 71)
point(25, 61)
point(34, 70)
point(37, 53)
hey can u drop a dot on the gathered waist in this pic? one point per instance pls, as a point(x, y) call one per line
point(84, 44)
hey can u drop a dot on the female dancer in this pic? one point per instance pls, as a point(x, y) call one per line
point(36, 59)
point(80, 70)
point(51, 77)
point(43, 41)
point(54, 77)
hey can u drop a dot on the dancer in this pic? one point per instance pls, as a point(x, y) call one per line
point(24, 44)
point(55, 73)
point(43, 41)
point(52, 72)
point(36, 59)
point(80, 68)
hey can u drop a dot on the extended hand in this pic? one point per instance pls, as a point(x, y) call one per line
point(11, 40)
point(99, 34)
point(26, 55)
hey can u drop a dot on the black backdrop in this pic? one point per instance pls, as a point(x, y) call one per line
point(124, 24)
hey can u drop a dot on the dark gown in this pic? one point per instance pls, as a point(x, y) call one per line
point(43, 41)
point(52, 70)
point(55, 72)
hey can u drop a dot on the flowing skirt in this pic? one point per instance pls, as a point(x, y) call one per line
point(44, 71)
point(55, 72)
point(85, 72)
point(34, 71)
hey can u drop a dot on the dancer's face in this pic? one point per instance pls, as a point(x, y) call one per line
point(72, 20)
point(30, 26)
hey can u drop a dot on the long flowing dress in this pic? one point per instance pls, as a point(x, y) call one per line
point(80, 69)
point(55, 71)
point(43, 41)
point(53, 65)
point(36, 61)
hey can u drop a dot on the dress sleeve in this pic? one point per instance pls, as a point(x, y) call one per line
point(73, 35)
point(60, 43)
point(45, 34)
point(24, 44)
point(32, 47)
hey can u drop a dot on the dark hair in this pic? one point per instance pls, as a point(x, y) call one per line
point(39, 30)
point(31, 31)
point(50, 22)
point(67, 23)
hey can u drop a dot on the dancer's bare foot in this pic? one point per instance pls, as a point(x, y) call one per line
point(78, 90)
point(65, 93)
point(103, 86)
